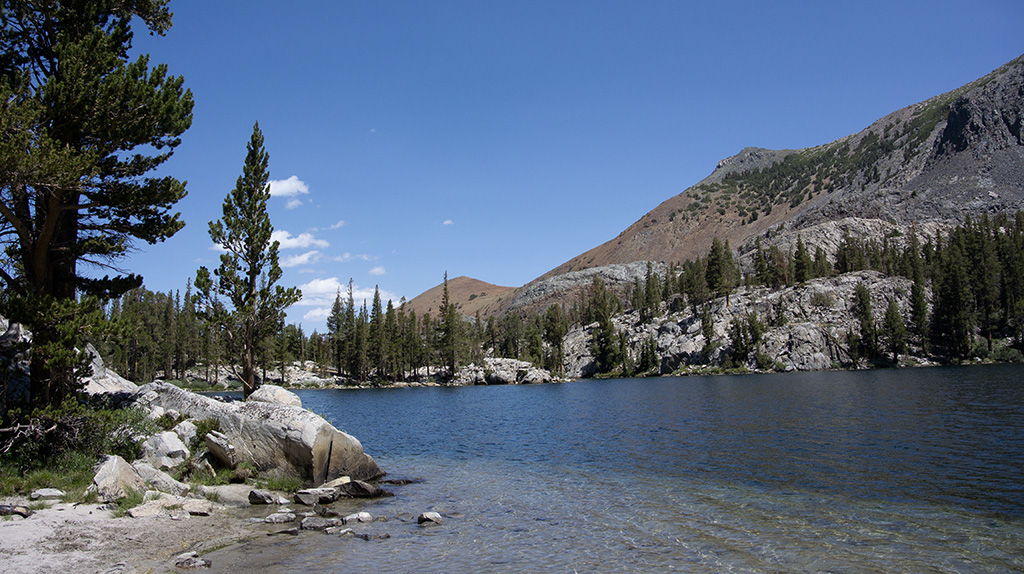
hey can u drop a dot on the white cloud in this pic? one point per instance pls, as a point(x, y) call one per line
point(346, 257)
point(379, 270)
point(302, 241)
point(321, 293)
point(293, 203)
point(448, 222)
point(338, 224)
point(307, 258)
point(218, 248)
point(288, 187)
point(317, 315)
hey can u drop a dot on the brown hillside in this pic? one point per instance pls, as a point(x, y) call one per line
point(470, 296)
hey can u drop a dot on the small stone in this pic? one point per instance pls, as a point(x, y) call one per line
point(280, 518)
point(360, 489)
point(311, 496)
point(318, 523)
point(261, 497)
point(47, 494)
point(324, 511)
point(198, 507)
point(191, 561)
point(383, 536)
point(336, 482)
point(429, 519)
point(293, 531)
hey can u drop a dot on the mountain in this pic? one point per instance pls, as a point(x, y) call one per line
point(928, 165)
point(469, 295)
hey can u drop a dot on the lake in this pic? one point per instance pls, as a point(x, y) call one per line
point(914, 470)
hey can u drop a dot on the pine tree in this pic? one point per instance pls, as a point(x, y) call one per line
point(249, 269)
point(450, 331)
point(866, 316)
point(803, 266)
point(555, 328)
point(83, 128)
point(895, 330)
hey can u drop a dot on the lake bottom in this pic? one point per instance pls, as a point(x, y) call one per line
point(502, 516)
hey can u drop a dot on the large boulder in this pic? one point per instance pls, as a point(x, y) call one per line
point(282, 439)
point(276, 395)
point(165, 450)
point(115, 478)
point(104, 380)
point(159, 479)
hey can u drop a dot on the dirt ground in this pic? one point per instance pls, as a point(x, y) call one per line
point(85, 538)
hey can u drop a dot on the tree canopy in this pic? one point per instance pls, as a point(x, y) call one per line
point(81, 127)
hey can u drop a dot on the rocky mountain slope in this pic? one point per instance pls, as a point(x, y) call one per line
point(930, 165)
point(805, 328)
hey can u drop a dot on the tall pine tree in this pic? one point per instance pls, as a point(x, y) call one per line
point(249, 268)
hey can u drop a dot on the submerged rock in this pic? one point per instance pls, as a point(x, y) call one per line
point(429, 519)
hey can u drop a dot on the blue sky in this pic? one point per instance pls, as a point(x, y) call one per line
point(500, 139)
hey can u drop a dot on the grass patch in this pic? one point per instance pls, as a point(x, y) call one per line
point(130, 500)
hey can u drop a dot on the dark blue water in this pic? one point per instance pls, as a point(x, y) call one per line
point(917, 470)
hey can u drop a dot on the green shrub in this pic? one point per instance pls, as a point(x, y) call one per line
point(1007, 354)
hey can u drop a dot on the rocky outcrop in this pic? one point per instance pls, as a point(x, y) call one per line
point(806, 326)
point(502, 372)
point(276, 439)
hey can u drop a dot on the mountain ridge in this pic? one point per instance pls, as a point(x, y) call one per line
point(929, 164)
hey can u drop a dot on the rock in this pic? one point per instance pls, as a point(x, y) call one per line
point(115, 478)
point(318, 523)
point(336, 482)
point(191, 561)
point(358, 517)
point(165, 450)
point(221, 449)
point(292, 531)
point(502, 372)
point(311, 496)
point(104, 380)
point(360, 489)
point(276, 395)
point(429, 519)
point(233, 495)
point(280, 518)
point(281, 439)
point(159, 479)
point(150, 509)
point(186, 431)
point(47, 494)
point(324, 511)
point(197, 507)
point(261, 497)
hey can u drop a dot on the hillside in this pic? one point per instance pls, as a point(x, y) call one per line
point(471, 296)
point(930, 164)
point(955, 154)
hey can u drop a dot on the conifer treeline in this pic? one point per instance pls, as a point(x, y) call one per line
point(968, 290)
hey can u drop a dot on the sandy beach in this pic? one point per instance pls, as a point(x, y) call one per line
point(85, 539)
